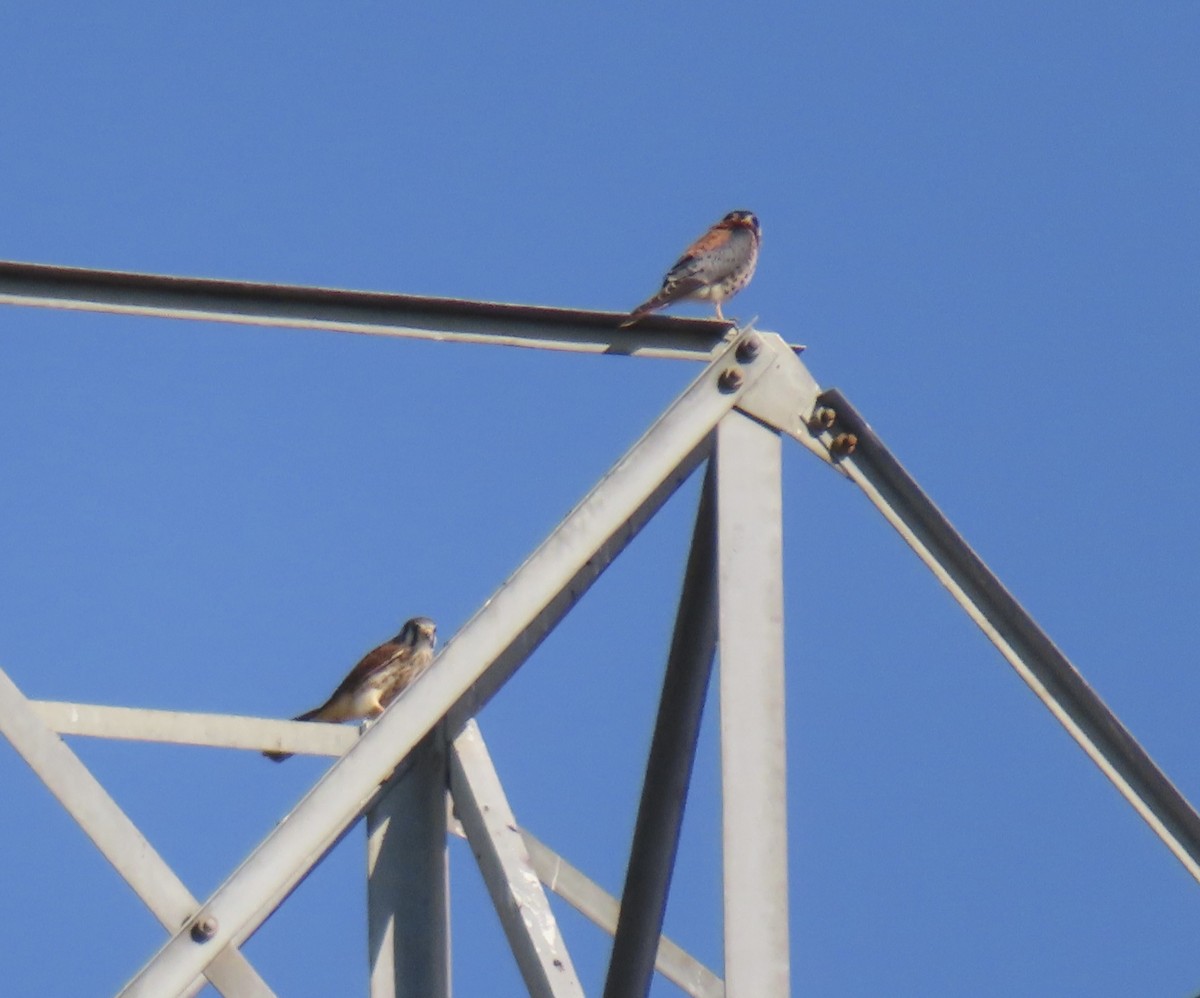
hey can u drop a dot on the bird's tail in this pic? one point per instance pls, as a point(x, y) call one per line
point(308, 715)
point(644, 309)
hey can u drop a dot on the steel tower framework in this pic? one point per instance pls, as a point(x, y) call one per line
point(751, 393)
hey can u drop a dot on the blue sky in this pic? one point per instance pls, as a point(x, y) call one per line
point(981, 218)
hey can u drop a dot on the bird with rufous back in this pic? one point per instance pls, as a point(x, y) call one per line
point(381, 676)
point(714, 268)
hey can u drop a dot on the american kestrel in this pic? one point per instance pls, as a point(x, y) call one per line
point(714, 268)
point(381, 676)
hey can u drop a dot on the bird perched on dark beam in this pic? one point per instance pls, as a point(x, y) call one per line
point(381, 676)
point(714, 268)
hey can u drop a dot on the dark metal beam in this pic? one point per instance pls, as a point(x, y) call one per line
point(866, 460)
point(369, 312)
point(669, 767)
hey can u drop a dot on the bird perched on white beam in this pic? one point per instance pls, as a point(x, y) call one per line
point(382, 675)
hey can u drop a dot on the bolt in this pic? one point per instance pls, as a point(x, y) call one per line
point(822, 418)
point(730, 380)
point(749, 349)
point(204, 929)
point(843, 444)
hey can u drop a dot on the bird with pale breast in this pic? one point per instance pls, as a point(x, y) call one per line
point(382, 675)
point(714, 268)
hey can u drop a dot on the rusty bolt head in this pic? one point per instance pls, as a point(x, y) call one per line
point(822, 418)
point(749, 349)
point(203, 929)
point(730, 380)
point(843, 444)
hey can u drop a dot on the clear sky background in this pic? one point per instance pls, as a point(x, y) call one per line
point(983, 220)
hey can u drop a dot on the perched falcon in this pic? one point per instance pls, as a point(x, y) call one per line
point(381, 676)
point(714, 268)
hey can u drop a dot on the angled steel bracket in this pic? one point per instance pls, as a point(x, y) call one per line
point(117, 838)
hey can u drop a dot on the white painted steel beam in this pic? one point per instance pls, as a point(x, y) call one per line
point(669, 766)
point(491, 829)
point(601, 908)
point(860, 454)
point(251, 733)
point(237, 732)
point(480, 658)
point(368, 312)
point(118, 839)
point(753, 722)
point(408, 908)
point(178, 728)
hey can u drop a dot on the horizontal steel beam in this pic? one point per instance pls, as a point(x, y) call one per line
point(370, 312)
point(180, 728)
point(473, 666)
point(858, 451)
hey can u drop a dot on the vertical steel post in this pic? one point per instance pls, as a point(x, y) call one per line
point(753, 757)
point(669, 766)
point(408, 932)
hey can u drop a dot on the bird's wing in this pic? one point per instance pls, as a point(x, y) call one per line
point(715, 255)
point(711, 258)
point(676, 286)
point(372, 662)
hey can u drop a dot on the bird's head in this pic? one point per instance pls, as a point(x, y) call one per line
point(743, 220)
point(419, 630)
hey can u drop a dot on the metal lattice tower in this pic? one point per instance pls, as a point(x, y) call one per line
point(751, 393)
